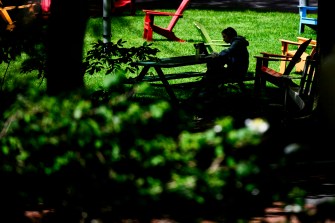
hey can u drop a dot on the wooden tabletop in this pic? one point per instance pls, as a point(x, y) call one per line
point(175, 61)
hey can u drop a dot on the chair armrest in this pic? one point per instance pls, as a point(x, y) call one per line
point(9, 7)
point(310, 8)
point(265, 54)
point(19, 6)
point(271, 58)
point(303, 39)
point(291, 77)
point(284, 41)
point(218, 44)
point(151, 12)
point(300, 41)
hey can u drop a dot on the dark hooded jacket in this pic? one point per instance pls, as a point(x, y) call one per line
point(236, 56)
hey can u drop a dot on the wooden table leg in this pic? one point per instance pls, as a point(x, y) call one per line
point(166, 84)
point(143, 72)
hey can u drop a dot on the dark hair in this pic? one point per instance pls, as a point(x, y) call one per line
point(231, 32)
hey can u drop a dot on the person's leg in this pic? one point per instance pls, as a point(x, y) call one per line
point(217, 72)
point(210, 83)
point(208, 86)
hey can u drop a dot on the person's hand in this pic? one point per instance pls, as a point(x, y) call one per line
point(214, 54)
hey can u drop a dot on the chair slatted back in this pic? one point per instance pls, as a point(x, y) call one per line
point(305, 95)
point(204, 35)
point(179, 12)
point(309, 81)
point(209, 42)
point(296, 57)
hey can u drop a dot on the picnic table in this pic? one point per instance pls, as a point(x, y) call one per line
point(170, 62)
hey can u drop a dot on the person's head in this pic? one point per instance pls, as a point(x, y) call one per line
point(228, 34)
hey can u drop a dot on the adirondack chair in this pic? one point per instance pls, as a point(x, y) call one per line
point(287, 49)
point(150, 26)
point(304, 95)
point(122, 4)
point(7, 18)
point(206, 38)
point(45, 6)
point(265, 73)
point(305, 20)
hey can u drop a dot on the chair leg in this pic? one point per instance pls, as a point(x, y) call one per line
point(167, 33)
point(147, 33)
point(257, 82)
point(173, 37)
point(301, 28)
point(282, 66)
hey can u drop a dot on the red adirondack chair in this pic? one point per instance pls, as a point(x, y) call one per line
point(150, 27)
point(121, 4)
point(45, 5)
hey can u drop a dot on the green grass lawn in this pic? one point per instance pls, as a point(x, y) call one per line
point(263, 29)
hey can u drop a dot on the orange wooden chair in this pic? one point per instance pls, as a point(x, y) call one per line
point(121, 4)
point(289, 48)
point(150, 27)
point(7, 18)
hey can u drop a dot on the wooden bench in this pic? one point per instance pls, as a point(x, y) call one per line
point(174, 76)
point(195, 82)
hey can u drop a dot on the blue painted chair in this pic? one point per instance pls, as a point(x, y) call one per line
point(305, 20)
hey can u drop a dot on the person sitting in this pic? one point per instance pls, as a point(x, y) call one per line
point(232, 62)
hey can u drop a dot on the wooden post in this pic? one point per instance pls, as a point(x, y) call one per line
point(303, 2)
point(107, 9)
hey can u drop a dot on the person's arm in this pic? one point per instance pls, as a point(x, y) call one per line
point(227, 51)
point(233, 47)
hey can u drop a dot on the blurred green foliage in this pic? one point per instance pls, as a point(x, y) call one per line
point(130, 156)
point(106, 154)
